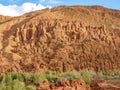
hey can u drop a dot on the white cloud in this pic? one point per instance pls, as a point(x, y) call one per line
point(14, 10)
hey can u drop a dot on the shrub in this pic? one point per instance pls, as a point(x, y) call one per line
point(27, 81)
point(38, 77)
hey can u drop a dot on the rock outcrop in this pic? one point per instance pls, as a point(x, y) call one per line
point(62, 39)
point(103, 85)
point(68, 85)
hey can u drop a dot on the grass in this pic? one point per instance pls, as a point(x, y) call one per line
point(109, 75)
point(28, 81)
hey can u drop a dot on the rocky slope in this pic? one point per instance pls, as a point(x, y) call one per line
point(104, 85)
point(63, 38)
point(77, 85)
point(68, 85)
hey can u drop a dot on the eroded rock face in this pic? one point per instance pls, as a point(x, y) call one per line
point(50, 42)
point(68, 85)
point(4, 19)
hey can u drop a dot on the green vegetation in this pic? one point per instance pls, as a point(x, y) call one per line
point(109, 75)
point(28, 81)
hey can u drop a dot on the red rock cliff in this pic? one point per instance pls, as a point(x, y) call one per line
point(62, 39)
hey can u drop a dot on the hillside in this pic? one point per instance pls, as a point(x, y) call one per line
point(63, 38)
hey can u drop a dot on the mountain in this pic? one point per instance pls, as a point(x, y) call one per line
point(61, 39)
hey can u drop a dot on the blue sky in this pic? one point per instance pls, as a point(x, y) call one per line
point(20, 6)
point(115, 4)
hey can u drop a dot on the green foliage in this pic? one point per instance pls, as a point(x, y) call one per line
point(87, 76)
point(27, 81)
point(15, 81)
point(30, 87)
point(38, 77)
point(109, 75)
